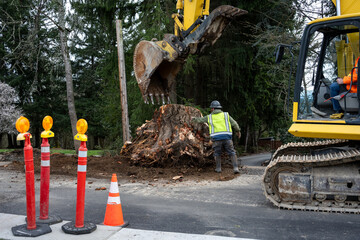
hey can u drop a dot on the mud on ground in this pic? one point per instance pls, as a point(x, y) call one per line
point(104, 166)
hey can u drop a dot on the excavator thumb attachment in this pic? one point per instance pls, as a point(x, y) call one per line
point(211, 29)
point(156, 64)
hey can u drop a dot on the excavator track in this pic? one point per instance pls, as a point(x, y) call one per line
point(289, 148)
point(328, 182)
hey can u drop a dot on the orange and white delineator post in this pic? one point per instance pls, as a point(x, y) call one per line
point(114, 214)
point(45, 174)
point(80, 226)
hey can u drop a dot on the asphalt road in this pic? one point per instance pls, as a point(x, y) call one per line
point(234, 208)
point(255, 160)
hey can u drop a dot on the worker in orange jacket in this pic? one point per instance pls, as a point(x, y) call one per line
point(337, 86)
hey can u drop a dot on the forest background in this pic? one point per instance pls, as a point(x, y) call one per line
point(239, 70)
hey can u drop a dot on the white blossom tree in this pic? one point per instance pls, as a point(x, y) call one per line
point(8, 110)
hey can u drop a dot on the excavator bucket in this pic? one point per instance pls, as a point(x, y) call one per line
point(154, 71)
point(156, 64)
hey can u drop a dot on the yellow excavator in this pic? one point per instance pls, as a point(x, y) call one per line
point(156, 63)
point(322, 175)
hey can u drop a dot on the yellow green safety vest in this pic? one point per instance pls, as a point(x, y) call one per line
point(219, 124)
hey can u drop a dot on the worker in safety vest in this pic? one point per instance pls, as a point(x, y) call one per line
point(220, 127)
point(338, 86)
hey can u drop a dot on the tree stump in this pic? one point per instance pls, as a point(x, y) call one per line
point(170, 139)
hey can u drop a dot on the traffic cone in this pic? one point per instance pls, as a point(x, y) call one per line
point(114, 214)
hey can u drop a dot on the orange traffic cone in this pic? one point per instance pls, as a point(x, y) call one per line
point(114, 214)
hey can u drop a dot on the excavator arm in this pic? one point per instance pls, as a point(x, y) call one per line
point(156, 63)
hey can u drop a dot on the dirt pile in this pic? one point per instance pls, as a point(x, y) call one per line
point(104, 166)
point(170, 139)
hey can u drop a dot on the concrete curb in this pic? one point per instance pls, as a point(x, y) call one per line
point(101, 233)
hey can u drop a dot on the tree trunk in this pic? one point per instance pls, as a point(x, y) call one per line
point(247, 138)
point(10, 142)
point(122, 79)
point(68, 72)
point(171, 139)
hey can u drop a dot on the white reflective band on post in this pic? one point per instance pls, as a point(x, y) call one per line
point(114, 200)
point(114, 187)
point(45, 163)
point(82, 153)
point(81, 168)
point(45, 149)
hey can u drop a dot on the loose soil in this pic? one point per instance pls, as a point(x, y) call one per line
point(104, 166)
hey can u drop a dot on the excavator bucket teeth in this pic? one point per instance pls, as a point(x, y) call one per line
point(212, 28)
point(156, 64)
point(154, 72)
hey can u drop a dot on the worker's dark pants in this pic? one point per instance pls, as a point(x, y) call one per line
point(335, 89)
point(227, 144)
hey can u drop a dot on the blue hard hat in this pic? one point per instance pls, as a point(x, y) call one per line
point(215, 104)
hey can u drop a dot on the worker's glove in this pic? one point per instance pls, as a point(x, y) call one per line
point(238, 134)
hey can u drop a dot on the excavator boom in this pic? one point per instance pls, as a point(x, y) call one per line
point(156, 63)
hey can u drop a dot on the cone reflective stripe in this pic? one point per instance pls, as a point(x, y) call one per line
point(114, 195)
point(114, 214)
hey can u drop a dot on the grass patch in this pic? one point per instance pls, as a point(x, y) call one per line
point(4, 151)
point(66, 151)
point(72, 151)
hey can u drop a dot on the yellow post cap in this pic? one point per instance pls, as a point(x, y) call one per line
point(81, 127)
point(47, 125)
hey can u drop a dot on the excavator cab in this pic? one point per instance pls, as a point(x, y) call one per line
point(156, 63)
point(329, 49)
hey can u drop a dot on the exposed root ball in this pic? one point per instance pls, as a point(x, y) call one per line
point(171, 139)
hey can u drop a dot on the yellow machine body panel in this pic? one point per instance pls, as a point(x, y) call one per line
point(350, 15)
point(193, 9)
point(348, 6)
point(331, 131)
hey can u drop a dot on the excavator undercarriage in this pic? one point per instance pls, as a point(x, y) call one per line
point(315, 176)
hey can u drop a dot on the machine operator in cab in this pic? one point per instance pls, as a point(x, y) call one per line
point(339, 86)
